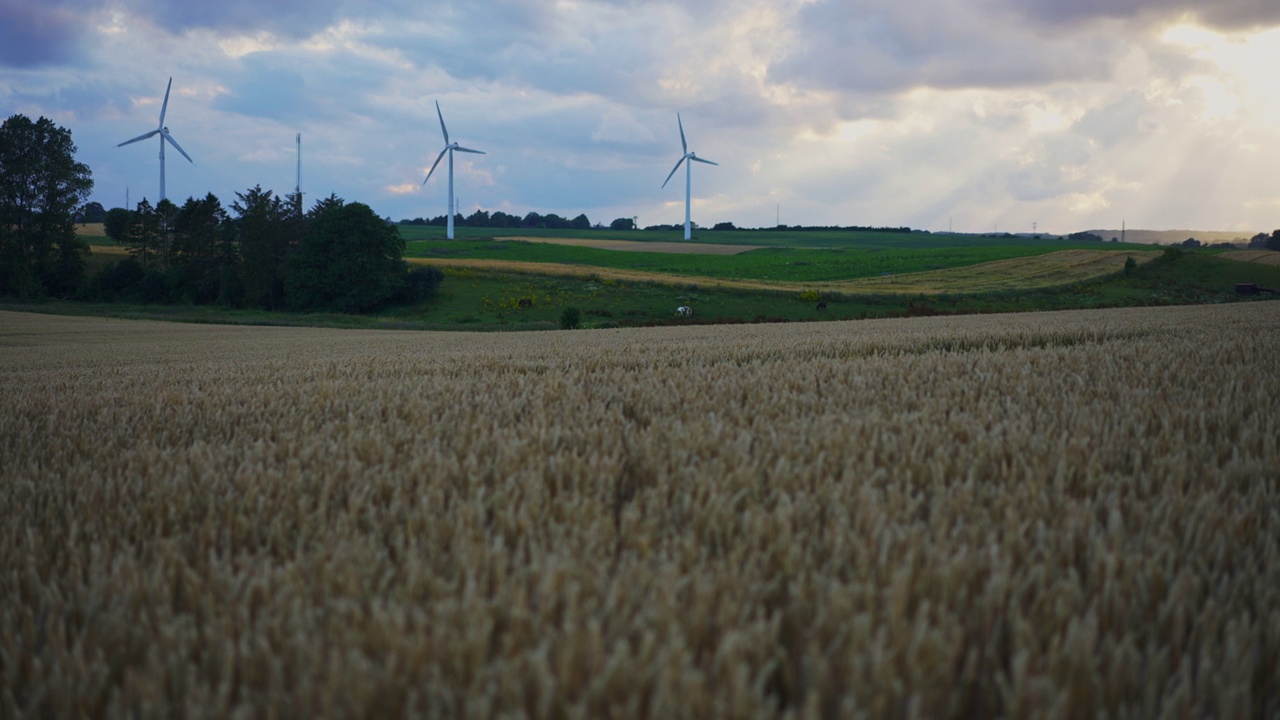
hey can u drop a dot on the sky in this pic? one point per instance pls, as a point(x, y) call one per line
point(970, 115)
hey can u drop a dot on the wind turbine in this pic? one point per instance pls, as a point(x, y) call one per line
point(448, 148)
point(163, 132)
point(297, 186)
point(688, 159)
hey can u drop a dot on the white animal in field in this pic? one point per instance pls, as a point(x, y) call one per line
point(684, 311)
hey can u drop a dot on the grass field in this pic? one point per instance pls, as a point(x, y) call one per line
point(1054, 514)
point(773, 264)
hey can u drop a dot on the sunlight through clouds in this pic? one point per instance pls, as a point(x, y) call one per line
point(965, 112)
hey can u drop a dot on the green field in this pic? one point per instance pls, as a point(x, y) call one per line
point(772, 263)
point(477, 299)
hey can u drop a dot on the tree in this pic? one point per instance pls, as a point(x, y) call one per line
point(143, 235)
point(201, 231)
point(116, 224)
point(724, 226)
point(41, 187)
point(92, 212)
point(264, 246)
point(623, 224)
point(350, 260)
point(1273, 242)
point(581, 222)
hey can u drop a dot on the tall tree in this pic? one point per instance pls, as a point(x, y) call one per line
point(200, 232)
point(350, 260)
point(143, 237)
point(259, 227)
point(116, 224)
point(41, 188)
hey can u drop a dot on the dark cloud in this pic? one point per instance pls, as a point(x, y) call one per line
point(36, 34)
point(877, 48)
point(287, 18)
point(1220, 14)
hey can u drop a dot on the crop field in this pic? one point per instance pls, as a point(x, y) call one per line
point(1266, 257)
point(1072, 514)
point(769, 265)
point(678, 248)
point(1039, 271)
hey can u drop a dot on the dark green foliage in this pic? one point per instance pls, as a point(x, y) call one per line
point(571, 318)
point(350, 261)
point(92, 212)
point(41, 189)
point(622, 224)
point(1130, 265)
point(116, 224)
point(117, 282)
point(1173, 253)
point(265, 239)
point(201, 235)
point(143, 235)
point(1273, 242)
point(420, 284)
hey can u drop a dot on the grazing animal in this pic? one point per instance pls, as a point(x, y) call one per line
point(526, 303)
point(684, 311)
point(822, 305)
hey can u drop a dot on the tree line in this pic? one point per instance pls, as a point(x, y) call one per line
point(499, 219)
point(264, 251)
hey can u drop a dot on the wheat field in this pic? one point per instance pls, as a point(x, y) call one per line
point(1061, 515)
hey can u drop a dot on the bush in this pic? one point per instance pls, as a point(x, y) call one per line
point(117, 282)
point(1130, 265)
point(571, 318)
point(420, 284)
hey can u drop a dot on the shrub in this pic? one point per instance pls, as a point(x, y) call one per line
point(571, 318)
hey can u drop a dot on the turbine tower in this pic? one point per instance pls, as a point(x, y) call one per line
point(448, 148)
point(163, 132)
point(297, 186)
point(688, 159)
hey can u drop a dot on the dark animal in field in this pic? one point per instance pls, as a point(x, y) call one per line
point(526, 303)
point(822, 305)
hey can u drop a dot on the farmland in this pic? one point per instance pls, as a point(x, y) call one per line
point(769, 264)
point(1063, 514)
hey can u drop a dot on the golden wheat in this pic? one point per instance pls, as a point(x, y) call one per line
point(1061, 515)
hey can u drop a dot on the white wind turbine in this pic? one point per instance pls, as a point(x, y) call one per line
point(688, 159)
point(163, 132)
point(448, 148)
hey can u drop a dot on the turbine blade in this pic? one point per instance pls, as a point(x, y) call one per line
point(165, 107)
point(143, 136)
point(673, 171)
point(434, 164)
point(683, 144)
point(695, 157)
point(459, 148)
point(174, 143)
point(443, 129)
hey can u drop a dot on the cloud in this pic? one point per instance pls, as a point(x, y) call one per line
point(880, 48)
point(1219, 14)
point(36, 34)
